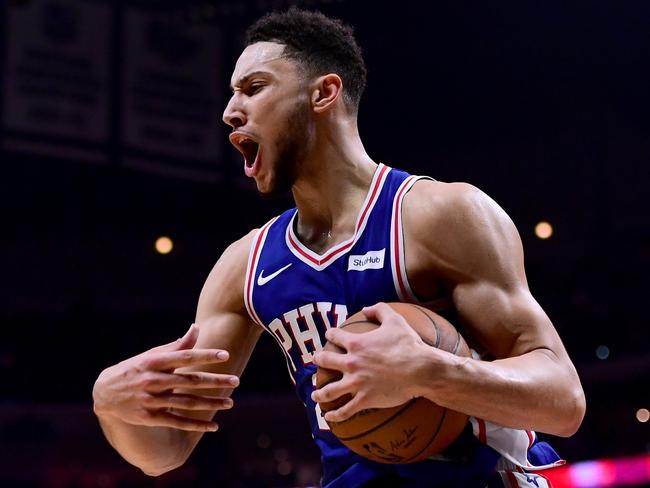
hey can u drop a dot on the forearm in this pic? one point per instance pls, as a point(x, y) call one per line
point(533, 391)
point(155, 450)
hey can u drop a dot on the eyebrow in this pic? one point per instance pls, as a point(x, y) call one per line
point(246, 78)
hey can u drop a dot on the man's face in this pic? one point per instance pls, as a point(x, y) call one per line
point(269, 112)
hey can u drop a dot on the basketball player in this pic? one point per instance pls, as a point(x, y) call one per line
point(361, 234)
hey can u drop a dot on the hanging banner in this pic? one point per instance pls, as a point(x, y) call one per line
point(170, 95)
point(56, 83)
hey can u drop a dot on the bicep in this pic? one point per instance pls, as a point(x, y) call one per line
point(491, 293)
point(506, 322)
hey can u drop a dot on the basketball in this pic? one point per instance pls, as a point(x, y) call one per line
point(409, 432)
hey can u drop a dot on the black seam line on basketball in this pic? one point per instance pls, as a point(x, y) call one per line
point(458, 337)
point(380, 425)
point(421, 309)
point(457, 345)
point(435, 434)
point(342, 326)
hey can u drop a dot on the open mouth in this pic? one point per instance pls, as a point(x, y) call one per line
point(250, 149)
point(247, 146)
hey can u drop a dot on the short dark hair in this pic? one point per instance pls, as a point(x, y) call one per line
point(319, 44)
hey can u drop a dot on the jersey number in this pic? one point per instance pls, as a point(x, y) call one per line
point(322, 425)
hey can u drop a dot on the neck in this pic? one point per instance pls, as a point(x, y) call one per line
point(332, 186)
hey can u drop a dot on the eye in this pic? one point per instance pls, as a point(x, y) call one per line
point(255, 88)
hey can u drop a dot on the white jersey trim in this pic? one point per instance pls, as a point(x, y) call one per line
point(398, 261)
point(249, 285)
point(251, 269)
point(512, 444)
point(321, 261)
point(397, 251)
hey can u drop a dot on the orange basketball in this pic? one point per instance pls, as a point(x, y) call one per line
point(409, 432)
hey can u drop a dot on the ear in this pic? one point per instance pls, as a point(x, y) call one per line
point(326, 92)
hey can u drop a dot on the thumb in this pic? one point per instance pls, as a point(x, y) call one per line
point(188, 340)
point(185, 342)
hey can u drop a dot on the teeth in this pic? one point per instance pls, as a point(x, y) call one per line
point(244, 140)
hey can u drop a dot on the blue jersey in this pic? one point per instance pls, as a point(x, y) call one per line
point(297, 294)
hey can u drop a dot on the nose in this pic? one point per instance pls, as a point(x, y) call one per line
point(234, 115)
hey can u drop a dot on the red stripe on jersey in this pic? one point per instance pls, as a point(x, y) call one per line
point(531, 438)
point(360, 223)
point(398, 228)
point(372, 197)
point(302, 253)
point(253, 267)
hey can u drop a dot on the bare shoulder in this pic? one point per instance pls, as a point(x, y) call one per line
point(460, 230)
point(437, 201)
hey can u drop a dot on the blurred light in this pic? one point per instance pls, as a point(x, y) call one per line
point(643, 415)
point(281, 455)
point(164, 245)
point(263, 441)
point(628, 471)
point(602, 352)
point(543, 230)
point(593, 473)
point(284, 468)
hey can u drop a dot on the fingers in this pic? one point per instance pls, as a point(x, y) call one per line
point(189, 402)
point(185, 342)
point(166, 360)
point(344, 412)
point(164, 418)
point(159, 382)
point(206, 380)
point(340, 337)
point(332, 360)
point(333, 390)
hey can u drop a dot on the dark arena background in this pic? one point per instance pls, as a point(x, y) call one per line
point(111, 138)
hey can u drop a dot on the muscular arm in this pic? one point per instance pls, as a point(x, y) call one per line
point(155, 407)
point(474, 247)
point(458, 239)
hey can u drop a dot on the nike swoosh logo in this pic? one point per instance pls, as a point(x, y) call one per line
point(263, 280)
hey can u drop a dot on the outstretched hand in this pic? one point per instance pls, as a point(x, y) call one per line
point(141, 389)
point(379, 367)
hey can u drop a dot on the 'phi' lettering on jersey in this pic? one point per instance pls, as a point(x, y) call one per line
point(302, 326)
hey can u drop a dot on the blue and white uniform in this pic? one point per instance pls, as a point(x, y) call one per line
point(297, 294)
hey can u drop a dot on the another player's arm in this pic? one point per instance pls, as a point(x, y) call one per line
point(473, 245)
point(154, 407)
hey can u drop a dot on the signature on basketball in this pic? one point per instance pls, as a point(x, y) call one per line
point(407, 440)
point(378, 452)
